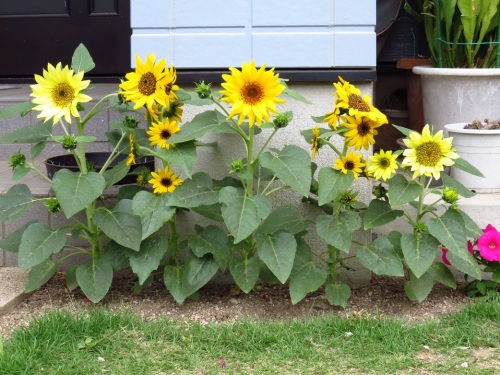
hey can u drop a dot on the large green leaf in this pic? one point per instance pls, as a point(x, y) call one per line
point(17, 110)
point(465, 166)
point(211, 240)
point(148, 258)
point(471, 227)
point(38, 243)
point(417, 289)
point(183, 156)
point(199, 125)
point(277, 251)
point(443, 274)
point(94, 280)
point(332, 183)
point(152, 210)
point(15, 202)
point(402, 191)
point(380, 257)
point(13, 240)
point(75, 191)
point(81, 60)
point(285, 217)
point(198, 272)
point(449, 229)
point(39, 275)
point(337, 230)
point(116, 174)
point(337, 294)
point(380, 213)
point(194, 192)
point(245, 272)
point(419, 252)
point(467, 264)
point(309, 278)
point(292, 165)
point(243, 214)
point(29, 134)
point(172, 277)
point(123, 227)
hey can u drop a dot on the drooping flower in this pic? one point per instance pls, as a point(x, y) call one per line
point(351, 162)
point(161, 132)
point(382, 165)
point(131, 155)
point(58, 93)
point(444, 257)
point(146, 86)
point(489, 245)
point(315, 141)
point(253, 93)
point(361, 130)
point(165, 181)
point(427, 154)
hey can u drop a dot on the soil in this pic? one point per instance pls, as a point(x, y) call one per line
point(382, 297)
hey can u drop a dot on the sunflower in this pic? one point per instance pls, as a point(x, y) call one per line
point(165, 181)
point(131, 155)
point(382, 165)
point(351, 162)
point(361, 130)
point(428, 153)
point(315, 141)
point(160, 133)
point(147, 84)
point(59, 92)
point(253, 93)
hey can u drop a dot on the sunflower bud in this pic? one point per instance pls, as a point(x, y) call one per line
point(420, 228)
point(380, 191)
point(281, 120)
point(203, 89)
point(450, 195)
point(236, 166)
point(130, 122)
point(52, 205)
point(69, 142)
point(143, 178)
point(17, 159)
point(348, 199)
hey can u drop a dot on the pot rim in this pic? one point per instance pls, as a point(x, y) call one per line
point(458, 127)
point(426, 70)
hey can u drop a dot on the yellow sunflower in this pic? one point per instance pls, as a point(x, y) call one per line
point(253, 93)
point(160, 133)
point(147, 84)
point(131, 155)
point(351, 162)
point(361, 130)
point(58, 93)
point(428, 153)
point(165, 181)
point(382, 165)
point(315, 141)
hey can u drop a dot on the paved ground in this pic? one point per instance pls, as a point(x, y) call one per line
point(11, 288)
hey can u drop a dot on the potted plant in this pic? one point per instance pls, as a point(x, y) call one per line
point(478, 142)
point(464, 81)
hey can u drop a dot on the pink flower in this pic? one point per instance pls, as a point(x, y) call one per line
point(488, 228)
point(443, 257)
point(489, 244)
point(470, 247)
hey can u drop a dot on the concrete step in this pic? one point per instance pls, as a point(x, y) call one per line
point(11, 288)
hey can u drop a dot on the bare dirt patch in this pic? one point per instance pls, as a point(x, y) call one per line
point(383, 296)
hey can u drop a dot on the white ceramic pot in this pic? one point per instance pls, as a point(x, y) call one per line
point(481, 148)
point(451, 95)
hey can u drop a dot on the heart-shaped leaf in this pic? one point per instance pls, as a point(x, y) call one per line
point(94, 280)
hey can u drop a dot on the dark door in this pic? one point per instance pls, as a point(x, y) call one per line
point(36, 32)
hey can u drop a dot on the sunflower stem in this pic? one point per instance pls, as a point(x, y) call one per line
point(333, 147)
point(173, 239)
point(93, 111)
point(264, 146)
point(250, 161)
point(114, 154)
point(234, 125)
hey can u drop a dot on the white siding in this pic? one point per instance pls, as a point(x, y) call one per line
point(281, 33)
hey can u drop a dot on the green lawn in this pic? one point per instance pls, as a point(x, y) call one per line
point(104, 343)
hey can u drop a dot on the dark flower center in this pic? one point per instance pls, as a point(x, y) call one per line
point(428, 154)
point(357, 102)
point(363, 129)
point(349, 165)
point(63, 94)
point(165, 134)
point(252, 93)
point(166, 182)
point(147, 84)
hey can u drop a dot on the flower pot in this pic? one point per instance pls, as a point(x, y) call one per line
point(481, 148)
point(451, 95)
point(68, 161)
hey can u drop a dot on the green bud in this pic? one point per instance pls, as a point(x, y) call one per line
point(348, 199)
point(17, 159)
point(380, 191)
point(236, 166)
point(281, 120)
point(203, 89)
point(52, 205)
point(69, 142)
point(420, 228)
point(130, 122)
point(450, 195)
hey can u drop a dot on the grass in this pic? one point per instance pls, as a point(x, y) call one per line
point(101, 342)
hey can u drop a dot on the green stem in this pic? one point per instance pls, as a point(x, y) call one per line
point(277, 189)
point(114, 154)
point(250, 162)
point(33, 168)
point(333, 259)
point(234, 125)
point(94, 111)
point(333, 147)
point(265, 145)
point(173, 239)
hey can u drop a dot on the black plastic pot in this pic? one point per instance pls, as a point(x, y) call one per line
point(55, 163)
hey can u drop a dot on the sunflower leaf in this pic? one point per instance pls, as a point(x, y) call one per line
point(81, 60)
